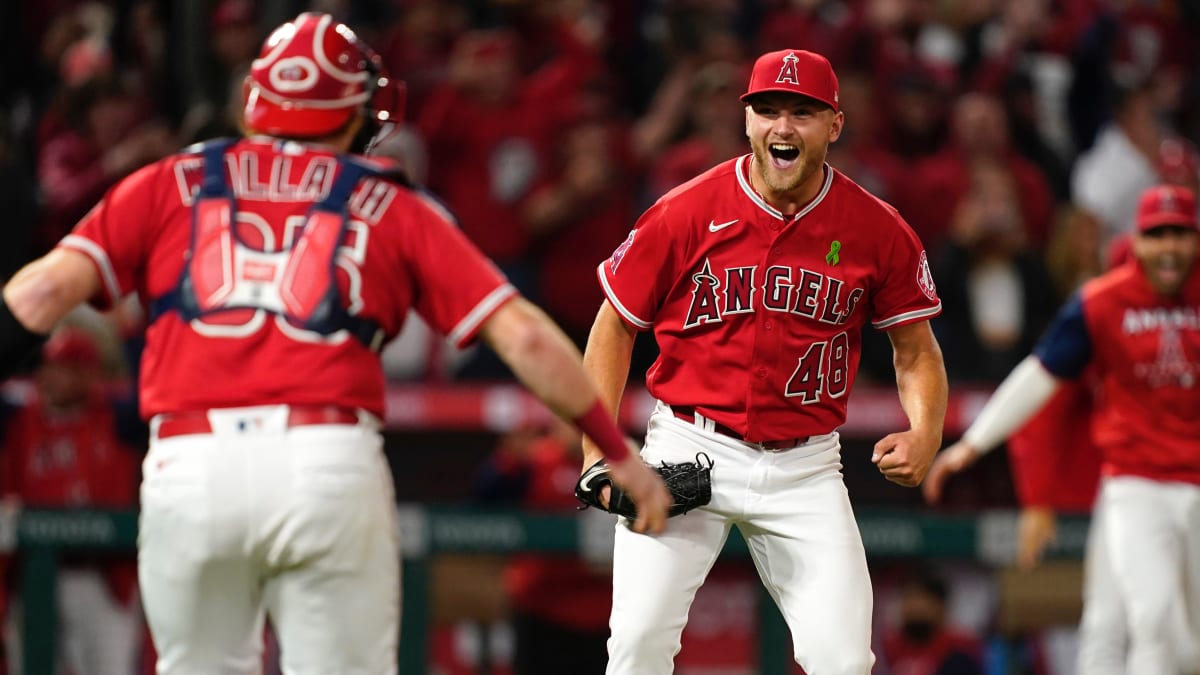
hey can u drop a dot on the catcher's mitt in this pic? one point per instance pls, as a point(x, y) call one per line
point(690, 484)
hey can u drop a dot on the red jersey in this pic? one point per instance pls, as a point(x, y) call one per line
point(400, 252)
point(1145, 349)
point(1055, 463)
point(758, 315)
point(74, 458)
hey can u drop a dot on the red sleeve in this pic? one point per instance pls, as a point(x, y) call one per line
point(115, 234)
point(640, 273)
point(906, 292)
point(457, 287)
point(1054, 461)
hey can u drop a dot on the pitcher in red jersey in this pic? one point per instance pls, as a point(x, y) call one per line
point(1138, 329)
point(273, 268)
point(756, 278)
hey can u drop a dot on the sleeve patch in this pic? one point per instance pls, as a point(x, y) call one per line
point(925, 278)
point(615, 260)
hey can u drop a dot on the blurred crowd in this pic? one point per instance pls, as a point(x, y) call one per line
point(1013, 136)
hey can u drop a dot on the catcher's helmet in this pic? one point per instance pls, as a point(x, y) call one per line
point(311, 77)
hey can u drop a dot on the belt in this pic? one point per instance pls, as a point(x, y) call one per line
point(688, 414)
point(196, 421)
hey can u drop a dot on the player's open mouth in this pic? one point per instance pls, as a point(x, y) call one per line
point(783, 155)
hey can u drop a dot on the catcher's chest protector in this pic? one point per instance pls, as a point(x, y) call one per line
point(298, 282)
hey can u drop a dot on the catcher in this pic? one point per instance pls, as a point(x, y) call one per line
point(690, 485)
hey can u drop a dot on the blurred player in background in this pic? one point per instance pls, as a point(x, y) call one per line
point(1138, 328)
point(273, 269)
point(61, 449)
point(559, 602)
point(756, 278)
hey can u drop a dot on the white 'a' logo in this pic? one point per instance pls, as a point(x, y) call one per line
point(788, 72)
point(1167, 200)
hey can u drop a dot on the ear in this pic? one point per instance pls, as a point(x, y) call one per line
point(835, 128)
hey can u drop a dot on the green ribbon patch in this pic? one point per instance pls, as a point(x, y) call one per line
point(832, 257)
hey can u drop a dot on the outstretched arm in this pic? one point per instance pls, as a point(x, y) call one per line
point(37, 297)
point(904, 457)
point(1024, 392)
point(548, 364)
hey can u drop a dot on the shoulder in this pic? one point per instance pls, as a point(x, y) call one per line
point(1114, 283)
point(851, 197)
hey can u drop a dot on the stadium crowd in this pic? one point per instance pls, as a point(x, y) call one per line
point(1014, 136)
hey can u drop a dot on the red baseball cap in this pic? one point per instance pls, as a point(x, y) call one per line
point(794, 71)
point(72, 346)
point(1164, 205)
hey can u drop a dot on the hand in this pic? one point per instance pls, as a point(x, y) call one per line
point(648, 491)
point(952, 460)
point(904, 457)
point(1036, 528)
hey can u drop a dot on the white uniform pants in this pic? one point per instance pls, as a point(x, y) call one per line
point(297, 522)
point(1151, 532)
point(1103, 638)
point(792, 508)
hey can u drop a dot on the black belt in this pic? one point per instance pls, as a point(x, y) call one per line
point(688, 414)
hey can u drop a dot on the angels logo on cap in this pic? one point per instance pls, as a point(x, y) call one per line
point(787, 74)
point(794, 71)
point(1166, 205)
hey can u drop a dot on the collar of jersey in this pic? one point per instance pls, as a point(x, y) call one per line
point(743, 176)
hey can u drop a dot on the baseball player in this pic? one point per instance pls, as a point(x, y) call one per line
point(1138, 328)
point(757, 277)
point(272, 269)
point(61, 449)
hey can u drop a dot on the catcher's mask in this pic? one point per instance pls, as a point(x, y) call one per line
point(311, 78)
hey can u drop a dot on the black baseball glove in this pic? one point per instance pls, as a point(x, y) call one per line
point(690, 484)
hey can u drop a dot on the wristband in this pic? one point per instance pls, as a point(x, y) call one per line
point(16, 341)
point(597, 425)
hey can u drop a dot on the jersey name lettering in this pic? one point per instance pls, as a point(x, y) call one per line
point(793, 290)
point(286, 179)
point(1142, 320)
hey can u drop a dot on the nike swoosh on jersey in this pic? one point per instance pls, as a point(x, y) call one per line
point(714, 227)
point(585, 483)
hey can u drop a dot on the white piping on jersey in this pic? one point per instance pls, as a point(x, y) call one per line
point(612, 298)
point(901, 318)
point(743, 163)
point(99, 256)
point(484, 309)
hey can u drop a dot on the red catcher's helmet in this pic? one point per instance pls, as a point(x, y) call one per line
point(312, 75)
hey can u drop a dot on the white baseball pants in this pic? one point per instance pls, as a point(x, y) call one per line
point(792, 508)
point(1151, 532)
point(297, 522)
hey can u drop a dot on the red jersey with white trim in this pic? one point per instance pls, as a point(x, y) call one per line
point(1054, 461)
point(1145, 348)
point(57, 458)
point(758, 315)
point(400, 252)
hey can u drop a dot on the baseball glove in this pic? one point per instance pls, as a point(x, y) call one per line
point(690, 484)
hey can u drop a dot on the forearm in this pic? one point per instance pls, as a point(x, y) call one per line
point(1024, 392)
point(542, 358)
point(45, 290)
point(606, 361)
point(35, 300)
point(923, 389)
